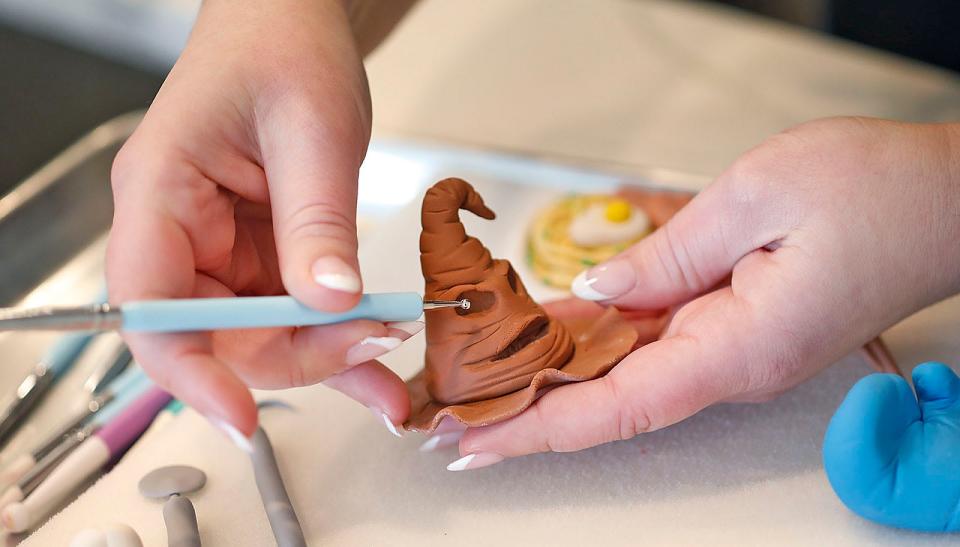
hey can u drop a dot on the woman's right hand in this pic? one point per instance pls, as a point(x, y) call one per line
point(242, 180)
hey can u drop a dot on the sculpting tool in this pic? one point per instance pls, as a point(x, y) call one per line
point(273, 493)
point(37, 384)
point(106, 445)
point(109, 369)
point(134, 387)
point(171, 483)
point(169, 412)
point(276, 502)
point(51, 367)
point(126, 387)
point(200, 314)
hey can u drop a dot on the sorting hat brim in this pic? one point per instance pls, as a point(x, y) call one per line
point(599, 344)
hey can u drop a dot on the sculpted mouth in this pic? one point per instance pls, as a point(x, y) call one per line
point(534, 330)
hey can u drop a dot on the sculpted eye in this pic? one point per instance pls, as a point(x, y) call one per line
point(512, 279)
point(480, 301)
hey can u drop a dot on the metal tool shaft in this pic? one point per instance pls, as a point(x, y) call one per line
point(439, 304)
point(29, 393)
point(92, 317)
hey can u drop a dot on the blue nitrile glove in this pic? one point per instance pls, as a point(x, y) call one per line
point(894, 458)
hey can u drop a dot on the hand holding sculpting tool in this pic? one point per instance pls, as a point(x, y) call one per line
point(201, 314)
point(107, 444)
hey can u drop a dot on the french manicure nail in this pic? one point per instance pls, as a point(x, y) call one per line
point(475, 461)
point(242, 442)
point(333, 273)
point(405, 329)
point(604, 282)
point(390, 427)
point(370, 348)
point(382, 416)
point(441, 440)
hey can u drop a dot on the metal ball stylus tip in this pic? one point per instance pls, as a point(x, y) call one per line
point(437, 304)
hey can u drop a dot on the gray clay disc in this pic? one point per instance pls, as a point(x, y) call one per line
point(164, 482)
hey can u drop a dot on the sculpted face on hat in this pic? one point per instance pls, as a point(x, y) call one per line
point(489, 363)
point(505, 338)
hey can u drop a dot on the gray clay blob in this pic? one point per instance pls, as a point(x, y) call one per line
point(164, 482)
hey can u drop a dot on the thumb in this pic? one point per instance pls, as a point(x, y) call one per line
point(312, 175)
point(692, 252)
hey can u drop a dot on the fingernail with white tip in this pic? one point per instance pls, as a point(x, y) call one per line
point(604, 282)
point(370, 348)
point(404, 329)
point(390, 427)
point(475, 461)
point(333, 273)
point(441, 440)
point(242, 442)
point(382, 416)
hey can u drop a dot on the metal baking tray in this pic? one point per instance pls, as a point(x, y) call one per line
point(52, 238)
point(63, 208)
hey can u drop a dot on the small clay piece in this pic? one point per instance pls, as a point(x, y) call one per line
point(580, 230)
point(114, 535)
point(90, 537)
point(121, 535)
point(491, 362)
point(172, 482)
point(276, 502)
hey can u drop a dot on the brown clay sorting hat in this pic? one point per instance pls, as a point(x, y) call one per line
point(489, 363)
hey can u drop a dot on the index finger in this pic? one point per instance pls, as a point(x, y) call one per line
point(150, 256)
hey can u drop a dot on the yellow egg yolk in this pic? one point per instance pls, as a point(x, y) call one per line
point(617, 211)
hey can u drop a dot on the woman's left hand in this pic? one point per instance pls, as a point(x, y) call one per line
point(804, 249)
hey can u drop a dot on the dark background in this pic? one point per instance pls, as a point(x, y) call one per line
point(51, 94)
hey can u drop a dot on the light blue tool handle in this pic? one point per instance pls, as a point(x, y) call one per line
point(126, 379)
point(131, 388)
point(65, 351)
point(197, 314)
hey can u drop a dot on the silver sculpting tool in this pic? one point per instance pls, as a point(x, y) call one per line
point(202, 314)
